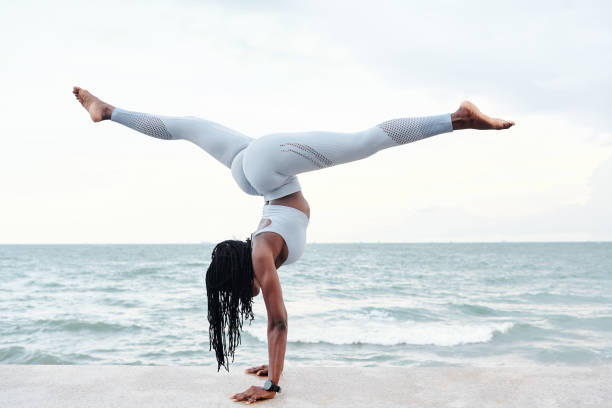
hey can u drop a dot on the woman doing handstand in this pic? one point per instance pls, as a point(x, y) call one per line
point(268, 167)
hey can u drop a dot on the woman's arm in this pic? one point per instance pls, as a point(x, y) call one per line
point(277, 324)
point(266, 274)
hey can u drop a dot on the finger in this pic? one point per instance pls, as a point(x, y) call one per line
point(251, 400)
point(239, 397)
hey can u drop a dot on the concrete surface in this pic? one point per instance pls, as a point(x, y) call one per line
point(153, 386)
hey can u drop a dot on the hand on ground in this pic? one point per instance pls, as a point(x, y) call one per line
point(253, 394)
point(261, 371)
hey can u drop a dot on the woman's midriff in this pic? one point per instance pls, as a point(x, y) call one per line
point(295, 200)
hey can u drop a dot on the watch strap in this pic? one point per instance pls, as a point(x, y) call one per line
point(270, 386)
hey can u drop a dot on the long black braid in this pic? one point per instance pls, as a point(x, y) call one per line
point(229, 288)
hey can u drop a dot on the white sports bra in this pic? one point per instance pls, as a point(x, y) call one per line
point(290, 223)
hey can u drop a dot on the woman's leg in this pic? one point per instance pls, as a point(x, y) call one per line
point(219, 141)
point(272, 162)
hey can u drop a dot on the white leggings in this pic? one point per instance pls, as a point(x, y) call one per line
point(268, 165)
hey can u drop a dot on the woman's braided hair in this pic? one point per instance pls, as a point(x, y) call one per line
point(229, 288)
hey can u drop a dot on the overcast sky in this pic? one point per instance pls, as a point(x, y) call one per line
point(271, 66)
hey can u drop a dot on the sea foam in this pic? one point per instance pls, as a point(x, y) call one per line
point(371, 332)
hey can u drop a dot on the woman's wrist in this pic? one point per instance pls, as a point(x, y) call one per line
point(274, 376)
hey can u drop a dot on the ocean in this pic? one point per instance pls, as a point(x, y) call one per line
point(438, 304)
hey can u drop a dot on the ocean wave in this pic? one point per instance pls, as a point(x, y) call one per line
point(75, 325)
point(51, 285)
point(21, 355)
point(564, 298)
point(523, 331)
point(180, 353)
point(391, 313)
point(474, 310)
point(371, 332)
point(192, 264)
point(596, 323)
point(400, 307)
point(143, 271)
point(107, 289)
point(127, 303)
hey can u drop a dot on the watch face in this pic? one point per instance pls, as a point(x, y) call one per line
point(268, 385)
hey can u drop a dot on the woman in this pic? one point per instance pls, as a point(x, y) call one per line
point(268, 166)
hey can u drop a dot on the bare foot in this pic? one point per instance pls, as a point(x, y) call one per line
point(469, 117)
point(97, 109)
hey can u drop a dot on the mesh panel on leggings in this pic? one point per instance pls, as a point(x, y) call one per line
point(407, 130)
point(145, 123)
point(308, 153)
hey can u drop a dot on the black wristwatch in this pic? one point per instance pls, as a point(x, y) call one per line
point(270, 386)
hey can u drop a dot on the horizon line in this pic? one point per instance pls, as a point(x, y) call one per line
point(319, 242)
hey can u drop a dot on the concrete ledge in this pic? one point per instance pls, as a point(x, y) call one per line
point(153, 386)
